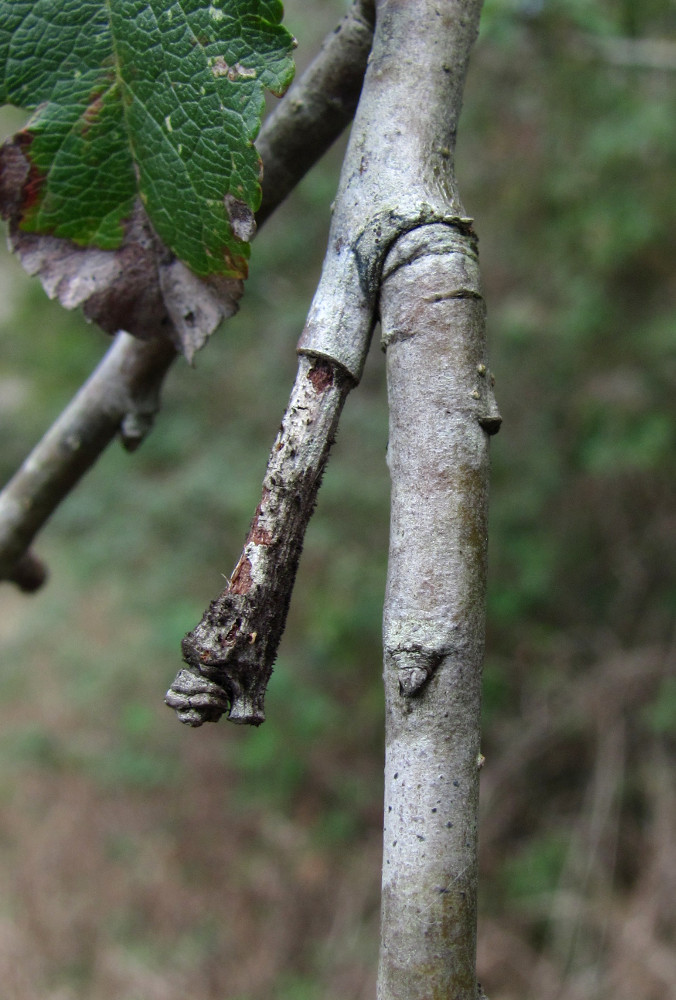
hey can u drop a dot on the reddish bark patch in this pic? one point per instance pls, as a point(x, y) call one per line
point(241, 579)
point(231, 634)
point(257, 533)
point(237, 265)
point(321, 376)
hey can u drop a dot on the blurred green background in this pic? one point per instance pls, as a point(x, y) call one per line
point(142, 860)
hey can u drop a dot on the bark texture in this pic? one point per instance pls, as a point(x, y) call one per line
point(122, 396)
point(441, 412)
point(231, 652)
point(400, 243)
point(229, 678)
point(415, 247)
point(317, 107)
point(398, 169)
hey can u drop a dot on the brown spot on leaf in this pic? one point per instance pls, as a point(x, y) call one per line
point(321, 375)
point(14, 170)
point(219, 66)
point(21, 182)
point(242, 579)
point(237, 264)
point(92, 112)
point(32, 189)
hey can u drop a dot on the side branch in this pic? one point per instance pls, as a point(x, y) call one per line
point(122, 395)
point(231, 652)
point(317, 108)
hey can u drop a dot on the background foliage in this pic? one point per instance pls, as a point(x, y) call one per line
point(141, 860)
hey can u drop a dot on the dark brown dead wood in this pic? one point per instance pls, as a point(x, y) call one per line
point(231, 652)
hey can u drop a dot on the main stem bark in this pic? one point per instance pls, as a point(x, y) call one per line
point(441, 412)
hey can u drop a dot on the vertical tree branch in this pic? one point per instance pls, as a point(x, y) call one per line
point(441, 412)
point(397, 187)
point(400, 242)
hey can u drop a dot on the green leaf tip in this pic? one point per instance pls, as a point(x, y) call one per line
point(157, 100)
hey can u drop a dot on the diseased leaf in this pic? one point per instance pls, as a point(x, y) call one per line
point(132, 190)
point(153, 99)
point(140, 286)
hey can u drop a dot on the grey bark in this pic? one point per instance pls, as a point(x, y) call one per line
point(123, 394)
point(401, 245)
point(441, 412)
point(401, 242)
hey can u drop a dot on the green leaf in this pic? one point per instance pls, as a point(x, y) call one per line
point(157, 99)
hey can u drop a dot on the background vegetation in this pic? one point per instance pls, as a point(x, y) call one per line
point(141, 860)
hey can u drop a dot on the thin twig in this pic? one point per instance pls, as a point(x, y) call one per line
point(231, 652)
point(121, 395)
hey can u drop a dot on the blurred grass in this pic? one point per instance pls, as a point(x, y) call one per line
point(140, 860)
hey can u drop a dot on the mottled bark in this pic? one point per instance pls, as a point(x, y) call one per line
point(317, 108)
point(231, 652)
point(400, 245)
point(402, 248)
point(401, 242)
point(230, 679)
point(122, 395)
point(441, 412)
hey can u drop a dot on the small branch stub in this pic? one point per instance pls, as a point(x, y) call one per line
point(231, 652)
